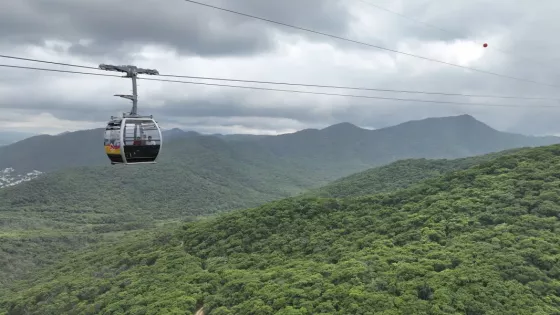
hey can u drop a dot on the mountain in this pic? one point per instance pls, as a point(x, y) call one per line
point(48, 153)
point(400, 174)
point(482, 240)
point(70, 205)
point(200, 174)
point(348, 148)
point(69, 149)
point(335, 151)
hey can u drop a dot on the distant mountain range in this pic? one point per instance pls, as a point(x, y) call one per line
point(336, 151)
point(344, 148)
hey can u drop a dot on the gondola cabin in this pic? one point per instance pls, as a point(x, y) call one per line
point(132, 140)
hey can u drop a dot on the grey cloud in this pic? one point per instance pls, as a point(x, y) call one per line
point(234, 124)
point(114, 26)
point(383, 113)
point(66, 112)
point(449, 20)
point(240, 106)
point(234, 107)
point(195, 30)
point(536, 123)
point(363, 112)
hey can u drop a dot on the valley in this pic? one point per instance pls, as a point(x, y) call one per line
point(218, 211)
point(477, 240)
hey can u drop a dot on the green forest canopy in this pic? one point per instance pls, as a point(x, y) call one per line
point(78, 208)
point(478, 241)
point(400, 174)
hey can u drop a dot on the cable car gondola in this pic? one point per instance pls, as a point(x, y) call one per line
point(132, 139)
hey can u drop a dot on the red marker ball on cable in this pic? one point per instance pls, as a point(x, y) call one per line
point(485, 45)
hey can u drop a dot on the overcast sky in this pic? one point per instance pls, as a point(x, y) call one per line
point(177, 37)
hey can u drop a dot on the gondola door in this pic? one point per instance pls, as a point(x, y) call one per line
point(142, 140)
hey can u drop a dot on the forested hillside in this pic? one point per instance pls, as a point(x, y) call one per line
point(400, 174)
point(68, 209)
point(47, 153)
point(478, 241)
point(198, 175)
point(77, 207)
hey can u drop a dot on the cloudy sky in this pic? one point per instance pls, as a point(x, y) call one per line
point(181, 38)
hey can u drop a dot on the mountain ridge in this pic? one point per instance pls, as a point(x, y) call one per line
point(341, 146)
point(357, 149)
point(397, 175)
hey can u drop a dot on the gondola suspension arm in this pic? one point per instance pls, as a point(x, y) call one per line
point(131, 72)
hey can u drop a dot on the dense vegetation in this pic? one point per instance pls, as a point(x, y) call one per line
point(199, 175)
point(47, 153)
point(478, 241)
point(68, 209)
point(77, 208)
point(400, 174)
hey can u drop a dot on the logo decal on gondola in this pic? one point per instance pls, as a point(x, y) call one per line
point(113, 148)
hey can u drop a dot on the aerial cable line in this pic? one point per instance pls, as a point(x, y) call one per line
point(288, 91)
point(350, 95)
point(371, 45)
point(445, 31)
point(361, 88)
point(63, 71)
point(303, 84)
point(50, 62)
